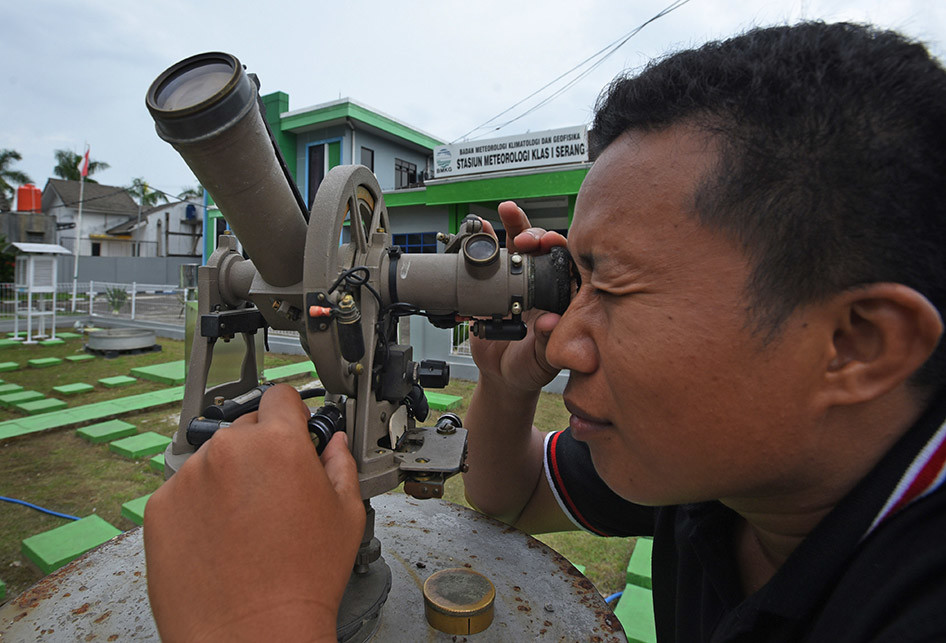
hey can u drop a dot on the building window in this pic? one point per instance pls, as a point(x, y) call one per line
point(367, 158)
point(316, 170)
point(405, 174)
point(417, 241)
point(96, 249)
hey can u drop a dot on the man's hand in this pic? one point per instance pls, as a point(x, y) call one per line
point(521, 365)
point(505, 451)
point(254, 538)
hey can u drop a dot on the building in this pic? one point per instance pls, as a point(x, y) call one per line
point(165, 230)
point(105, 208)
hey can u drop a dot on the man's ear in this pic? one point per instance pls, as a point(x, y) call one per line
point(883, 333)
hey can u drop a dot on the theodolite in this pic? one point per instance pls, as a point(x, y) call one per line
point(332, 275)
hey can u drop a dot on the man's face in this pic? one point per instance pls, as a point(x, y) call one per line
point(676, 397)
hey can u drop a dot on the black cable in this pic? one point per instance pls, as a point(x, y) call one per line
point(610, 49)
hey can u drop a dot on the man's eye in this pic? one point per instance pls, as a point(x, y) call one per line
point(575, 281)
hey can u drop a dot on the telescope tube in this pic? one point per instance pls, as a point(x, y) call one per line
point(207, 108)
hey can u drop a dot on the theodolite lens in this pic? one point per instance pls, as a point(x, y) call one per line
point(193, 85)
point(200, 95)
point(481, 249)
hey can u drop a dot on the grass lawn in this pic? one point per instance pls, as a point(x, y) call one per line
point(58, 470)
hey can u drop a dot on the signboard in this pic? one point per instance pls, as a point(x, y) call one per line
point(535, 149)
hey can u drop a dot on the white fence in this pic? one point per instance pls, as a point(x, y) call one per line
point(140, 301)
point(146, 302)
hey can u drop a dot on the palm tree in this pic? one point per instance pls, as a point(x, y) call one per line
point(9, 176)
point(68, 166)
point(195, 193)
point(144, 194)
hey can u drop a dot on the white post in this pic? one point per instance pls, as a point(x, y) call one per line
point(91, 296)
point(29, 310)
point(134, 295)
point(75, 262)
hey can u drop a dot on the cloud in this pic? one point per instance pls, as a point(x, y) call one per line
point(77, 73)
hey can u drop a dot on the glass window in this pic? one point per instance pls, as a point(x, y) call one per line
point(417, 241)
point(316, 171)
point(367, 158)
point(405, 174)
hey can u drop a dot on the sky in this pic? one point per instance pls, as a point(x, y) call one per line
point(75, 73)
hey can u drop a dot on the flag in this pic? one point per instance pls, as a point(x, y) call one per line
point(85, 163)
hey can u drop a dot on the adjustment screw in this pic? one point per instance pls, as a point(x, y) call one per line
point(516, 308)
point(516, 260)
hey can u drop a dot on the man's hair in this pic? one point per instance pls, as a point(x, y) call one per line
point(832, 170)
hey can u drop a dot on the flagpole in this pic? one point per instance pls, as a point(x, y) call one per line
point(75, 262)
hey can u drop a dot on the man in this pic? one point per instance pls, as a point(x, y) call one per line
point(756, 374)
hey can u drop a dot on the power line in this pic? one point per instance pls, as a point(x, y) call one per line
point(605, 53)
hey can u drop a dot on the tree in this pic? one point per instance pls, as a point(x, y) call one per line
point(195, 193)
point(144, 195)
point(9, 176)
point(68, 166)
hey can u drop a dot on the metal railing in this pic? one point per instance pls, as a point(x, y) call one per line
point(149, 302)
point(137, 301)
point(460, 345)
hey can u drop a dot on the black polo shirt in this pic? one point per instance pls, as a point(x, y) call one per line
point(874, 569)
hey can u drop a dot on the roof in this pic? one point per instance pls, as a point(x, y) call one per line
point(127, 226)
point(107, 199)
point(339, 111)
point(41, 248)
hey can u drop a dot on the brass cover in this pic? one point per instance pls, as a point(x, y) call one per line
point(459, 601)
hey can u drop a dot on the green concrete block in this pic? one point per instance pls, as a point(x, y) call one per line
point(41, 406)
point(134, 510)
point(635, 610)
point(54, 341)
point(442, 401)
point(89, 412)
point(52, 549)
point(118, 380)
point(10, 387)
point(10, 399)
point(79, 358)
point(170, 373)
point(106, 431)
point(8, 366)
point(21, 334)
point(44, 362)
point(289, 370)
point(5, 343)
point(141, 445)
point(3, 590)
point(157, 463)
point(73, 389)
point(68, 335)
point(639, 568)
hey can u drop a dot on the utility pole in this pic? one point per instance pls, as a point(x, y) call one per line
point(75, 262)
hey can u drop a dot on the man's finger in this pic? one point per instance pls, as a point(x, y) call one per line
point(514, 221)
point(340, 466)
point(282, 403)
